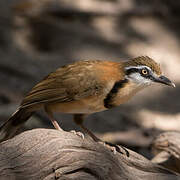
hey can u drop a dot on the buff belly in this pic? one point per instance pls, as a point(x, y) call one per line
point(85, 106)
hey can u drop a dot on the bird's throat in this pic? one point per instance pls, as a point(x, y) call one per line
point(109, 100)
point(121, 92)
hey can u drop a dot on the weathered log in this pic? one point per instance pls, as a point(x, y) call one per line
point(167, 149)
point(52, 154)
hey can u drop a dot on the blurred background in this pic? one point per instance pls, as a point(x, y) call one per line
point(36, 37)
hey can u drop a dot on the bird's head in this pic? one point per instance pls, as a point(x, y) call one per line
point(145, 71)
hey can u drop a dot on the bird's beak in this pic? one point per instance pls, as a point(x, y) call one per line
point(164, 80)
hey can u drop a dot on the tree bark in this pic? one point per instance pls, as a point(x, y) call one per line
point(166, 147)
point(51, 154)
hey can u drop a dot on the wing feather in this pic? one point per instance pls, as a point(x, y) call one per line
point(68, 83)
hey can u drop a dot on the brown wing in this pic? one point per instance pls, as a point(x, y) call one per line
point(73, 82)
point(67, 83)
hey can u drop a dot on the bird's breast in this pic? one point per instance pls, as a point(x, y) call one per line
point(125, 93)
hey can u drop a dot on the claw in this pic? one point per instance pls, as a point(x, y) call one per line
point(115, 148)
point(80, 134)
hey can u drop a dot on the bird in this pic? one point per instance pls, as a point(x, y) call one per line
point(85, 87)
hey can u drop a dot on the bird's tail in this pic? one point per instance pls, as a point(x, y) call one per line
point(11, 126)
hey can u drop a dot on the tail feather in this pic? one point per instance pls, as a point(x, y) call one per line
point(11, 126)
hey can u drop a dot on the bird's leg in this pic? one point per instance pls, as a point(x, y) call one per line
point(50, 116)
point(78, 119)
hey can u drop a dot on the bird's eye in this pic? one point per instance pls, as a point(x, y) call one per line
point(144, 71)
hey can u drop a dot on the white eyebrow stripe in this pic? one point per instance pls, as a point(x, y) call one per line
point(138, 67)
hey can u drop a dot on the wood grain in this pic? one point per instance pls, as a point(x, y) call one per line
point(166, 147)
point(51, 154)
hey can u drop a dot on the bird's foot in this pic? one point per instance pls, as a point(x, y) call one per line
point(115, 148)
point(78, 133)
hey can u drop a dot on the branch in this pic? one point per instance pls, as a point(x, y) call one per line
point(167, 149)
point(52, 154)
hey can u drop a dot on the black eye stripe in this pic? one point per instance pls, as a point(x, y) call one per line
point(132, 70)
point(135, 70)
